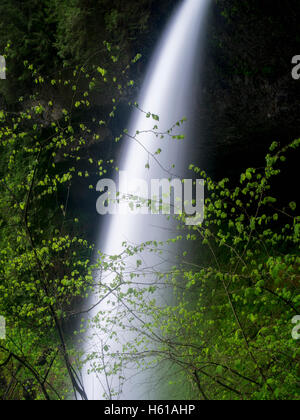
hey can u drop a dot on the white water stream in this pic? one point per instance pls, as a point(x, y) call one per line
point(168, 92)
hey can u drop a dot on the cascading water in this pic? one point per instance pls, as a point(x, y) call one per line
point(167, 92)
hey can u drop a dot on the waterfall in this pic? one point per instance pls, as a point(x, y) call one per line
point(167, 92)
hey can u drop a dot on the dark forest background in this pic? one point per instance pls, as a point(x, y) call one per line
point(245, 100)
point(248, 98)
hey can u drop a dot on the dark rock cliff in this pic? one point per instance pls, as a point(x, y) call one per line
point(249, 98)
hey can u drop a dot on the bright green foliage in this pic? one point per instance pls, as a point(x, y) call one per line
point(44, 255)
point(229, 333)
point(233, 323)
point(228, 329)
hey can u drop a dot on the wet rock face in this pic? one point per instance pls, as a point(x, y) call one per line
point(249, 98)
